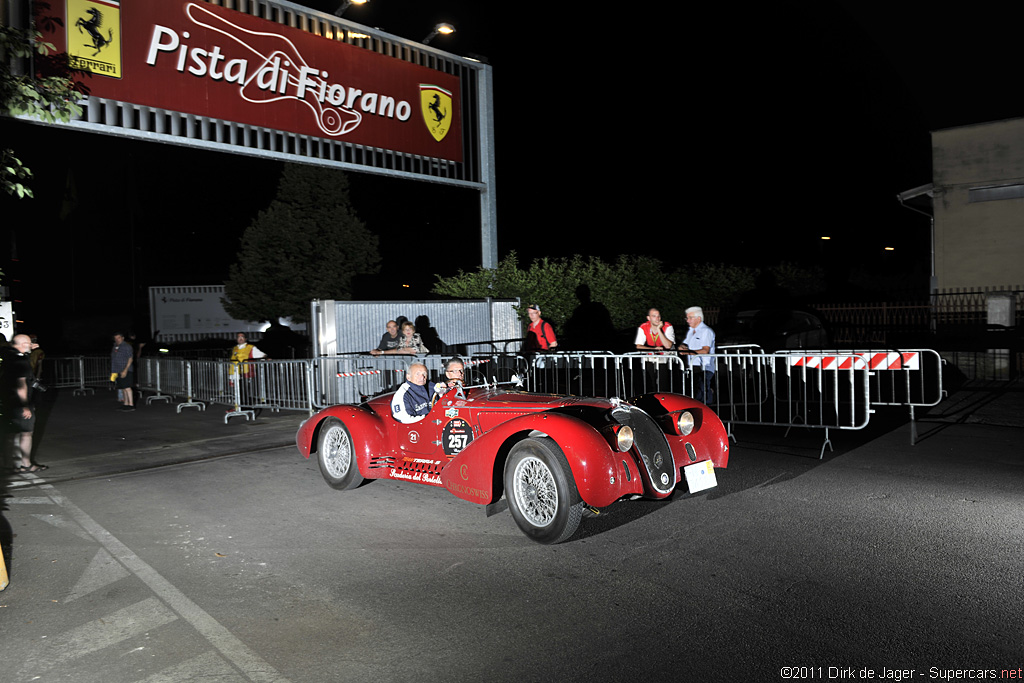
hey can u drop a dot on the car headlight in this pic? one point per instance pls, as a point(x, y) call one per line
point(624, 438)
point(685, 423)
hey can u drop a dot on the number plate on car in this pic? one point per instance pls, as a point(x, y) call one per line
point(700, 476)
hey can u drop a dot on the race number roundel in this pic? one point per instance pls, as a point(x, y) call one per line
point(455, 436)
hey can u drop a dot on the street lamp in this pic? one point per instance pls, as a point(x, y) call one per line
point(446, 29)
point(348, 3)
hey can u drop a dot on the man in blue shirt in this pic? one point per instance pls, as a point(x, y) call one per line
point(412, 400)
point(121, 357)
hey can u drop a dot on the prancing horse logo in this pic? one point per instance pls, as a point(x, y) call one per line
point(92, 27)
point(436, 106)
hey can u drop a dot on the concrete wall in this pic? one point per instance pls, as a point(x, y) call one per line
point(978, 243)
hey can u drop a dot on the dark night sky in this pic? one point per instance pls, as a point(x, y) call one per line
point(719, 135)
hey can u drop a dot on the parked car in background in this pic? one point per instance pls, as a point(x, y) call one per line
point(772, 329)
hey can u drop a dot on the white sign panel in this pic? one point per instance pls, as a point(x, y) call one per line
point(6, 320)
point(194, 313)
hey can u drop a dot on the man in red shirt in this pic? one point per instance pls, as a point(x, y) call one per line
point(655, 334)
point(540, 336)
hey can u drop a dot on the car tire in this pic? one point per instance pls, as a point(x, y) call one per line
point(541, 491)
point(336, 455)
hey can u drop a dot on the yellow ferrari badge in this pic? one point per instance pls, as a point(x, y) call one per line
point(94, 36)
point(436, 104)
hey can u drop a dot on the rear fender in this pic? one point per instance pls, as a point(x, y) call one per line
point(475, 474)
point(368, 436)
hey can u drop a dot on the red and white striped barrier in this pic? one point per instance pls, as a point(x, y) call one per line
point(359, 374)
point(860, 361)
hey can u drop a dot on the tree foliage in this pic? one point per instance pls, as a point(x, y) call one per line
point(307, 244)
point(627, 288)
point(46, 92)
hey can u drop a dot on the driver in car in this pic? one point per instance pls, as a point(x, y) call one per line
point(412, 400)
point(454, 371)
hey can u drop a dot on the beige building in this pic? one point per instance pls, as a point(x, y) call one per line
point(977, 204)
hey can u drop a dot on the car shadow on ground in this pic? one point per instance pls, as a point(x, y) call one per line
point(760, 457)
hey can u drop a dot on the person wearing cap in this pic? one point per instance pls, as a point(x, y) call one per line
point(540, 336)
point(700, 341)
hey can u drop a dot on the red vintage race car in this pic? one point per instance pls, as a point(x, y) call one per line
point(549, 456)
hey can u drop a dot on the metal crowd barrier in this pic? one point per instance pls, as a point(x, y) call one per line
point(748, 388)
point(65, 373)
point(904, 377)
point(245, 387)
point(357, 377)
point(816, 389)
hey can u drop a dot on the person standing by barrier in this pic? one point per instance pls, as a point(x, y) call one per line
point(699, 342)
point(540, 336)
point(19, 413)
point(121, 360)
point(36, 357)
point(243, 351)
point(241, 370)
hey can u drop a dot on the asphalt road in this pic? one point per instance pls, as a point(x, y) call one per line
point(227, 558)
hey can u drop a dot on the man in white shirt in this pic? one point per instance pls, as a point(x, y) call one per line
point(698, 344)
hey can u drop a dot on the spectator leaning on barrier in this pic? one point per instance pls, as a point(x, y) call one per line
point(388, 341)
point(121, 371)
point(540, 336)
point(655, 334)
point(410, 342)
point(700, 341)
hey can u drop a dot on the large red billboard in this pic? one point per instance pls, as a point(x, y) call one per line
point(202, 59)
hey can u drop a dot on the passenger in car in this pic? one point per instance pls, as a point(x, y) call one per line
point(412, 400)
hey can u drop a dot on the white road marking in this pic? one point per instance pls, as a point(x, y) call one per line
point(205, 667)
point(111, 629)
point(62, 522)
point(102, 571)
point(230, 647)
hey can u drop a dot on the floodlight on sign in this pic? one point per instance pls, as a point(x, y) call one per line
point(443, 28)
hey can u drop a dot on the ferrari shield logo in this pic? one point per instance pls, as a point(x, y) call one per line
point(436, 104)
point(94, 36)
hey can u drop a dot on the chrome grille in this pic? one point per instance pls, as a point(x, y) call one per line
point(650, 444)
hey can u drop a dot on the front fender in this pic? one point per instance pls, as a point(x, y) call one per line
point(474, 474)
point(709, 438)
point(364, 426)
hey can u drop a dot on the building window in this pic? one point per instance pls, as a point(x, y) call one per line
point(993, 194)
